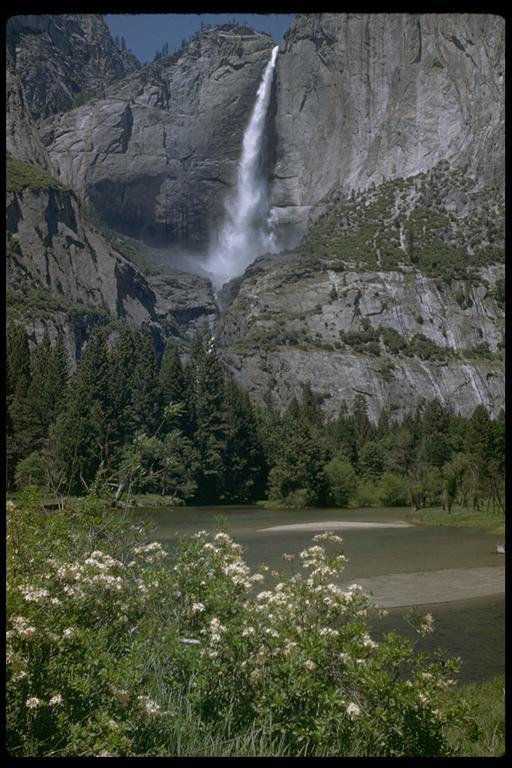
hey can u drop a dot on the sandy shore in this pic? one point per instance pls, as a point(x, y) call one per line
point(334, 525)
point(392, 590)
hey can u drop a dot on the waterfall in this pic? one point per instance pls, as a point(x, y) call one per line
point(247, 232)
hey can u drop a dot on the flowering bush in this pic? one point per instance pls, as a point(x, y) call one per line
point(116, 648)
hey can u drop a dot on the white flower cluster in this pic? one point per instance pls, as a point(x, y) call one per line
point(149, 706)
point(327, 537)
point(328, 632)
point(102, 560)
point(216, 630)
point(34, 703)
point(151, 553)
point(368, 642)
point(33, 594)
point(238, 572)
point(314, 559)
point(22, 628)
point(17, 665)
point(353, 711)
point(426, 626)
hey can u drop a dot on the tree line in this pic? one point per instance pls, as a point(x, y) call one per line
point(133, 423)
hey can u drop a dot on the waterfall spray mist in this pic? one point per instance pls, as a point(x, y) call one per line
point(246, 232)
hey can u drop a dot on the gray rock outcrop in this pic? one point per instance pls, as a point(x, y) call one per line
point(287, 322)
point(61, 58)
point(21, 136)
point(52, 247)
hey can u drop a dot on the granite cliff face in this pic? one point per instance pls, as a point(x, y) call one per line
point(396, 336)
point(158, 153)
point(64, 58)
point(368, 97)
point(21, 137)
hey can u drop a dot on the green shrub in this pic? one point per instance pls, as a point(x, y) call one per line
point(20, 175)
point(342, 481)
point(366, 494)
point(31, 471)
point(393, 490)
point(117, 648)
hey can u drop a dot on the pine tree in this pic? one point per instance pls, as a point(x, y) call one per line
point(479, 445)
point(173, 387)
point(434, 448)
point(244, 462)
point(345, 442)
point(171, 377)
point(299, 467)
point(122, 364)
point(49, 379)
point(79, 440)
point(205, 375)
point(362, 424)
point(22, 431)
point(18, 360)
point(310, 407)
point(144, 385)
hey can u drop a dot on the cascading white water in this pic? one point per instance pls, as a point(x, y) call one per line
point(246, 232)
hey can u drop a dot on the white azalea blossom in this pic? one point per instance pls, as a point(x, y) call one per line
point(328, 632)
point(150, 707)
point(33, 702)
point(353, 711)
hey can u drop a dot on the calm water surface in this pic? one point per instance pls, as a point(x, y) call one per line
point(471, 628)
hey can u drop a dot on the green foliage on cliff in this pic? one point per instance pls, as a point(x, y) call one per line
point(411, 222)
point(21, 175)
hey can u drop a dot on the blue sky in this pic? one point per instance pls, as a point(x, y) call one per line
point(147, 32)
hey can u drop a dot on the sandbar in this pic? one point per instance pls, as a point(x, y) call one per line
point(391, 590)
point(333, 525)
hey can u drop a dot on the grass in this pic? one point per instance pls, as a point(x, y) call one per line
point(20, 175)
point(191, 737)
point(489, 718)
point(459, 517)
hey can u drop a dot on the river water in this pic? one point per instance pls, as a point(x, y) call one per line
point(453, 573)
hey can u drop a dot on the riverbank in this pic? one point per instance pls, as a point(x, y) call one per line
point(491, 522)
point(458, 517)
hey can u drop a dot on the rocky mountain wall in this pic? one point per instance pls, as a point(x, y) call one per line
point(63, 58)
point(368, 97)
point(292, 323)
point(157, 155)
point(21, 137)
point(64, 275)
